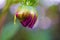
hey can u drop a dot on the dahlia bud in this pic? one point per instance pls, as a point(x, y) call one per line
point(27, 16)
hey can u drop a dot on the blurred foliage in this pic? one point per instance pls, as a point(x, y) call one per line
point(9, 30)
point(52, 11)
point(26, 34)
point(29, 2)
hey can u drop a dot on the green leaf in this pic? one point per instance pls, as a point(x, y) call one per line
point(30, 2)
point(34, 2)
point(9, 30)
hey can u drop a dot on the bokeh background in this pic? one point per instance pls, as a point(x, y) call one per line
point(10, 31)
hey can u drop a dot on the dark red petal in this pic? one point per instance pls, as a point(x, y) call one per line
point(26, 21)
point(31, 24)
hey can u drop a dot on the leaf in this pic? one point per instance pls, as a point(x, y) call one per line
point(34, 2)
point(30, 2)
point(9, 30)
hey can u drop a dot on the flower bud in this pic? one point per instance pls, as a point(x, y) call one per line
point(27, 16)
